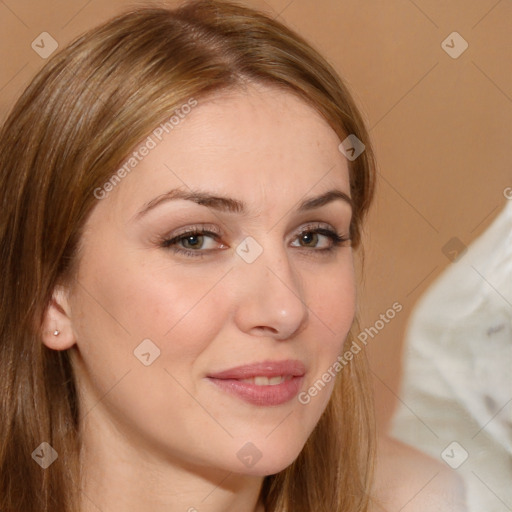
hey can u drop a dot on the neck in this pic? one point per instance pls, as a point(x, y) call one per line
point(120, 474)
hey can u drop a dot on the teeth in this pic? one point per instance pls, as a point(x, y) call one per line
point(266, 381)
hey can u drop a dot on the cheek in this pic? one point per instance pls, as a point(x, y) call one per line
point(134, 300)
point(117, 309)
point(332, 304)
point(123, 303)
point(332, 301)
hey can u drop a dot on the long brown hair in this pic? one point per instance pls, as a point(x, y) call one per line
point(72, 127)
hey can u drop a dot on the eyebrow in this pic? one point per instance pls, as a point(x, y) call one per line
point(228, 204)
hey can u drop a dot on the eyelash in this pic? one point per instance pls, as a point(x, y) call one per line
point(167, 243)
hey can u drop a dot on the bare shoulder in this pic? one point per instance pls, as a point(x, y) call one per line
point(407, 480)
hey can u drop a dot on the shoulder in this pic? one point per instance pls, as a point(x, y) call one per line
point(406, 480)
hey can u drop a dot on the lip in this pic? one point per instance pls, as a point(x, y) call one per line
point(265, 369)
point(230, 381)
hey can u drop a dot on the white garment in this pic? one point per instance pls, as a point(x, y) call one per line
point(457, 383)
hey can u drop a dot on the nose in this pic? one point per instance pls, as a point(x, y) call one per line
point(270, 300)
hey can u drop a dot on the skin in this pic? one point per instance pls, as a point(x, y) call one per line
point(407, 480)
point(163, 437)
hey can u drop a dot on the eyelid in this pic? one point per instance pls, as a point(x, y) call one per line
point(213, 228)
point(193, 228)
point(169, 242)
point(316, 225)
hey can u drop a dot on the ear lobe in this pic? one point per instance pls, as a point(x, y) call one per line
point(57, 332)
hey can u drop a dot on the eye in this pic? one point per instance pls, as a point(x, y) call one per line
point(320, 238)
point(193, 242)
point(198, 241)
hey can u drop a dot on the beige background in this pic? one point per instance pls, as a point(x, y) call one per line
point(441, 126)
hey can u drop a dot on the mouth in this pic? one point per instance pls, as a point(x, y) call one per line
point(269, 383)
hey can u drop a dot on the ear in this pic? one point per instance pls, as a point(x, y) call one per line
point(57, 331)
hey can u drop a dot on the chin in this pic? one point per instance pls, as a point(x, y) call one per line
point(263, 458)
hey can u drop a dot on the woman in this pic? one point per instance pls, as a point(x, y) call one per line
point(182, 194)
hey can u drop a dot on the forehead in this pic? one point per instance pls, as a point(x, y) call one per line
point(260, 144)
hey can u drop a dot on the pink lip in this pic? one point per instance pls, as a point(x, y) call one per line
point(230, 381)
point(265, 369)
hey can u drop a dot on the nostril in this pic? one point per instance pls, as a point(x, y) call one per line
point(265, 329)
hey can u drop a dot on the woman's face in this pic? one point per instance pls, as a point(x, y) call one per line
point(156, 312)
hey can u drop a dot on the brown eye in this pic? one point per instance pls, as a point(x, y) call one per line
point(309, 238)
point(193, 242)
point(320, 239)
